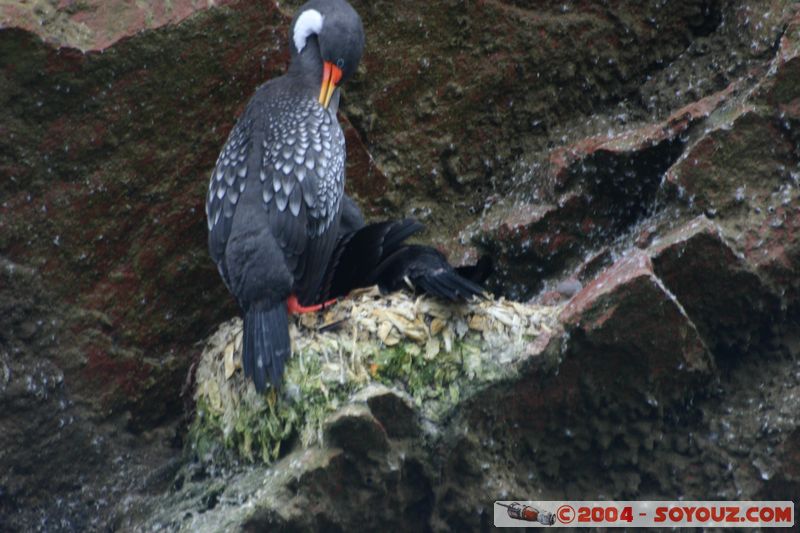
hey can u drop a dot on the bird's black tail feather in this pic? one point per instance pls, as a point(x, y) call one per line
point(397, 233)
point(359, 253)
point(428, 271)
point(266, 345)
point(448, 284)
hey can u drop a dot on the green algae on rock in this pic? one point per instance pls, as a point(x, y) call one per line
point(433, 352)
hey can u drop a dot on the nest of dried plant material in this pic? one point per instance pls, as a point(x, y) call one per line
point(436, 352)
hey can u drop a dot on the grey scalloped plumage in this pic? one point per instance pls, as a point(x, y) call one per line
point(273, 238)
point(229, 176)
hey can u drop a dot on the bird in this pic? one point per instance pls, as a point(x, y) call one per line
point(274, 203)
point(377, 254)
point(282, 232)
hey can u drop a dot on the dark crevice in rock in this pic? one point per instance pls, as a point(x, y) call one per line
point(623, 186)
point(709, 19)
point(790, 128)
point(601, 197)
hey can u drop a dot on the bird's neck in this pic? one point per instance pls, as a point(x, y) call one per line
point(306, 67)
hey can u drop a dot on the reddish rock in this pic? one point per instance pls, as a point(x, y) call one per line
point(609, 192)
point(530, 241)
point(610, 182)
point(563, 159)
point(366, 182)
point(779, 89)
point(104, 159)
point(594, 263)
point(96, 24)
point(627, 316)
point(743, 171)
point(770, 237)
point(735, 167)
point(773, 248)
point(627, 342)
point(489, 82)
point(104, 163)
point(628, 354)
point(730, 305)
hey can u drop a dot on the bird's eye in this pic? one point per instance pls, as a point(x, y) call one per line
point(340, 63)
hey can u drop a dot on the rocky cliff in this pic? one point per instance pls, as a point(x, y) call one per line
point(632, 167)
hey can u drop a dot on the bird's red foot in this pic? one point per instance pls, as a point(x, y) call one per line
point(294, 307)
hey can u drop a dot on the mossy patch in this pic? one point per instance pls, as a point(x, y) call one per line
point(438, 354)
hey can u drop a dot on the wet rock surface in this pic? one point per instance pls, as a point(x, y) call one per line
point(730, 304)
point(631, 168)
point(63, 466)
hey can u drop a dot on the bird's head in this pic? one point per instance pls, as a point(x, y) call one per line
point(328, 34)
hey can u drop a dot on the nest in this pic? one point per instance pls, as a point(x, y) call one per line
point(425, 347)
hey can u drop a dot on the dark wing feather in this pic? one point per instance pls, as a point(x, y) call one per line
point(302, 180)
point(227, 184)
point(359, 254)
point(298, 168)
point(352, 219)
point(427, 270)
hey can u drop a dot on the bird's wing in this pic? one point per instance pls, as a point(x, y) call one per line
point(228, 182)
point(358, 255)
point(428, 271)
point(352, 218)
point(302, 180)
point(298, 167)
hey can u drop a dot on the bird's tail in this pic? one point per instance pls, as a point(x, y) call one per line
point(266, 345)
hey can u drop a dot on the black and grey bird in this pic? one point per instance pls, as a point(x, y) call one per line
point(377, 254)
point(275, 197)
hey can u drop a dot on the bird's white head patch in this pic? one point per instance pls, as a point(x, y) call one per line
point(309, 22)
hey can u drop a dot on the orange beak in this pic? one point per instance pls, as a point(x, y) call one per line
point(331, 76)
